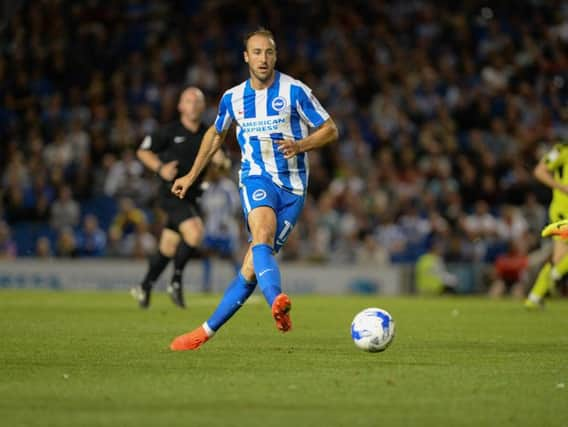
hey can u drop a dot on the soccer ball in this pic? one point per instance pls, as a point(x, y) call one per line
point(372, 329)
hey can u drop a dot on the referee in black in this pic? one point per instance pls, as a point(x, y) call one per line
point(170, 152)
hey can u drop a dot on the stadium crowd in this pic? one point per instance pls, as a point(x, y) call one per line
point(443, 111)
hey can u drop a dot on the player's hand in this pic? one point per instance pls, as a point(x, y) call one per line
point(288, 147)
point(181, 186)
point(169, 170)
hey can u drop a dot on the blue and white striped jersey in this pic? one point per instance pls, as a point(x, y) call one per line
point(285, 110)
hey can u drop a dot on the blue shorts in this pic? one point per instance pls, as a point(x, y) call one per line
point(259, 191)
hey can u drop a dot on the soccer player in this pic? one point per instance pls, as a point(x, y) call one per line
point(551, 171)
point(273, 113)
point(170, 153)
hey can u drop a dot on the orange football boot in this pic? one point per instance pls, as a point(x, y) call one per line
point(190, 341)
point(280, 309)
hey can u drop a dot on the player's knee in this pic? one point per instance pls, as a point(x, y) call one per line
point(263, 234)
point(168, 248)
point(192, 232)
point(262, 223)
point(194, 238)
point(169, 241)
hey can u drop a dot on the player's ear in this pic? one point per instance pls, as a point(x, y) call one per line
point(245, 56)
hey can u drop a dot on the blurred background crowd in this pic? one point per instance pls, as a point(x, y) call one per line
point(443, 107)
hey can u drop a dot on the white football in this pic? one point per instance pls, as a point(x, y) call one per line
point(372, 329)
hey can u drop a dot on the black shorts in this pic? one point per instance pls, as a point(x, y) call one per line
point(178, 211)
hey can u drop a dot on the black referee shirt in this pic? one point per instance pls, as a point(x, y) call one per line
point(175, 142)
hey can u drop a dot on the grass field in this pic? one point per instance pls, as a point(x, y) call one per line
point(95, 359)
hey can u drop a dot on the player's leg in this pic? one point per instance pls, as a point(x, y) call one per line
point(191, 230)
point(549, 274)
point(234, 297)
point(157, 263)
point(289, 210)
point(243, 285)
point(540, 287)
point(262, 225)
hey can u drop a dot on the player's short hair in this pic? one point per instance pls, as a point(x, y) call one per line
point(260, 31)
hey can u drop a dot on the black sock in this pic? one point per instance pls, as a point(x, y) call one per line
point(183, 254)
point(157, 264)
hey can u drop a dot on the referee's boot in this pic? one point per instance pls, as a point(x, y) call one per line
point(175, 289)
point(142, 295)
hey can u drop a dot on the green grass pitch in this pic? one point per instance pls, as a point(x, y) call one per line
point(95, 359)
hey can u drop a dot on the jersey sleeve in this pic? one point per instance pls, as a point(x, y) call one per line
point(225, 114)
point(155, 142)
point(310, 108)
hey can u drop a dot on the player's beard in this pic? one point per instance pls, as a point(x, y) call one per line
point(260, 78)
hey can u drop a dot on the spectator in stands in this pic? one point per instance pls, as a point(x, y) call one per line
point(426, 118)
point(139, 244)
point(391, 236)
point(535, 214)
point(127, 219)
point(370, 253)
point(326, 226)
point(511, 225)
point(65, 211)
point(66, 246)
point(91, 239)
point(59, 152)
point(39, 197)
point(43, 248)
point(480, 228)
point(431, 274)
point(8, 248)
point(16, 171)
point(79, 140)
point(124, 178)
point(222, 216)
point(509, 271)
point(14, 204)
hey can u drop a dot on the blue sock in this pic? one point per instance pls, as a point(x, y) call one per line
point(267, 272)
point(235, 296)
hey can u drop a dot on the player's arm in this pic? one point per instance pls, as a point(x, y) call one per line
point(150, 159)
point(322, 136)
point(543, 174)
point(211, 142)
